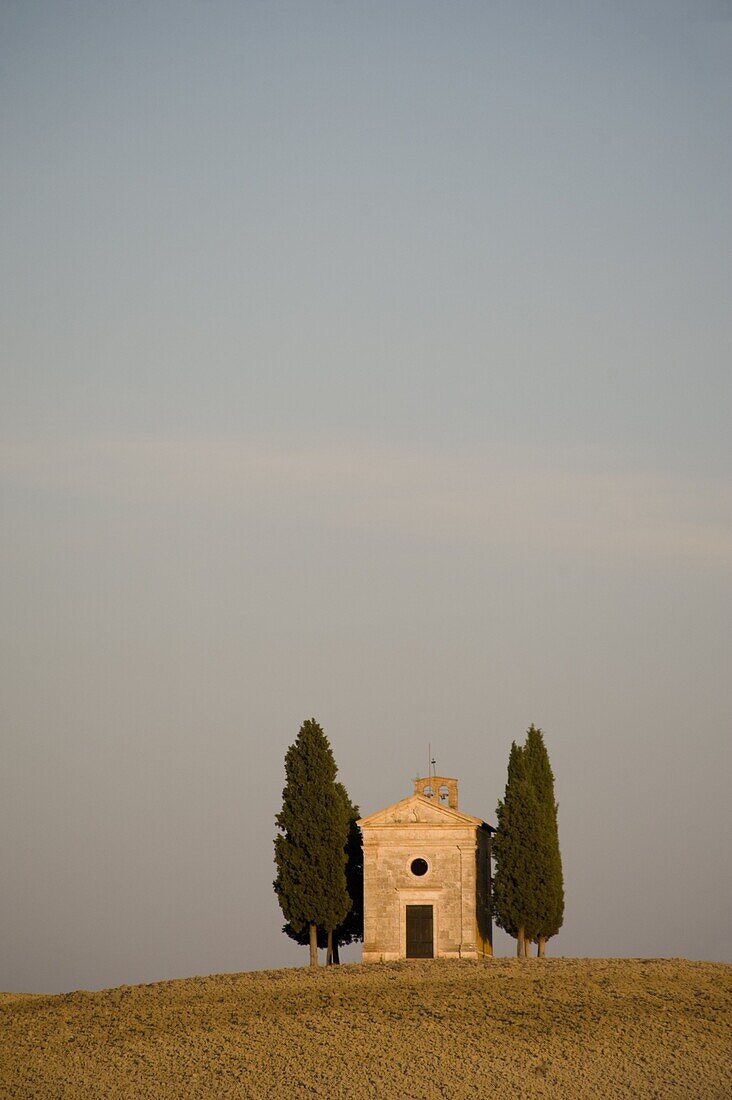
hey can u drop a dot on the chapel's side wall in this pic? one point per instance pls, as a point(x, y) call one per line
point(483, 916)
point(449, 886)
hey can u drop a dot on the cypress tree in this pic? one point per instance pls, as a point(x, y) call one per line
point(351, 927)
point(548, 860)
point(515, 886)
point(310, 848)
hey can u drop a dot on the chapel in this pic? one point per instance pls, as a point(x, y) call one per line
point(427, 878)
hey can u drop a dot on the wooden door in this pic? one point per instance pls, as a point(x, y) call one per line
point(419, 932)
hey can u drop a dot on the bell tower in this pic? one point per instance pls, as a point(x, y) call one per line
point(440, 788)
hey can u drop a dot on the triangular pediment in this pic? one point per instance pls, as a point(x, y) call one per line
point(417, 810)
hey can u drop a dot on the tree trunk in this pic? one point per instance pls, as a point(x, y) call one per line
point(329, 949)
point(336, 956)
point(541, 944)
point(521, 944)
point(313, 945)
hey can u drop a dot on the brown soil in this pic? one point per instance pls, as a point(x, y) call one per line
point(556, 1028)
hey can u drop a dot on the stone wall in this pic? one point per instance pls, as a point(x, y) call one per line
point(455, 855)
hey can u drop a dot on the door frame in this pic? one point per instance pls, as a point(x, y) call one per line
point(424, 907)
point(418, 897)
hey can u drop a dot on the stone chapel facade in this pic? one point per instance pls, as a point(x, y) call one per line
point(427, 878)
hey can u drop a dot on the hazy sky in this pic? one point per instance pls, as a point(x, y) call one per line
point(368, 361)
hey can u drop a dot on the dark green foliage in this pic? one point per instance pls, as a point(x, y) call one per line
point(528, 890)
point(550, 882)
point(514, 846)
point(351, 927)
point(310, 850)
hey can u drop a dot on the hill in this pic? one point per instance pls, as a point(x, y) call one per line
point(553, 1028)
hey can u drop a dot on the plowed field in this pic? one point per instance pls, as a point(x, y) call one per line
point(559, 1028)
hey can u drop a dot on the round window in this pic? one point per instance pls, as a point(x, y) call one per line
point(419, 867)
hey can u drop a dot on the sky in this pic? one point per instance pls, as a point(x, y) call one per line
point(368, 362)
